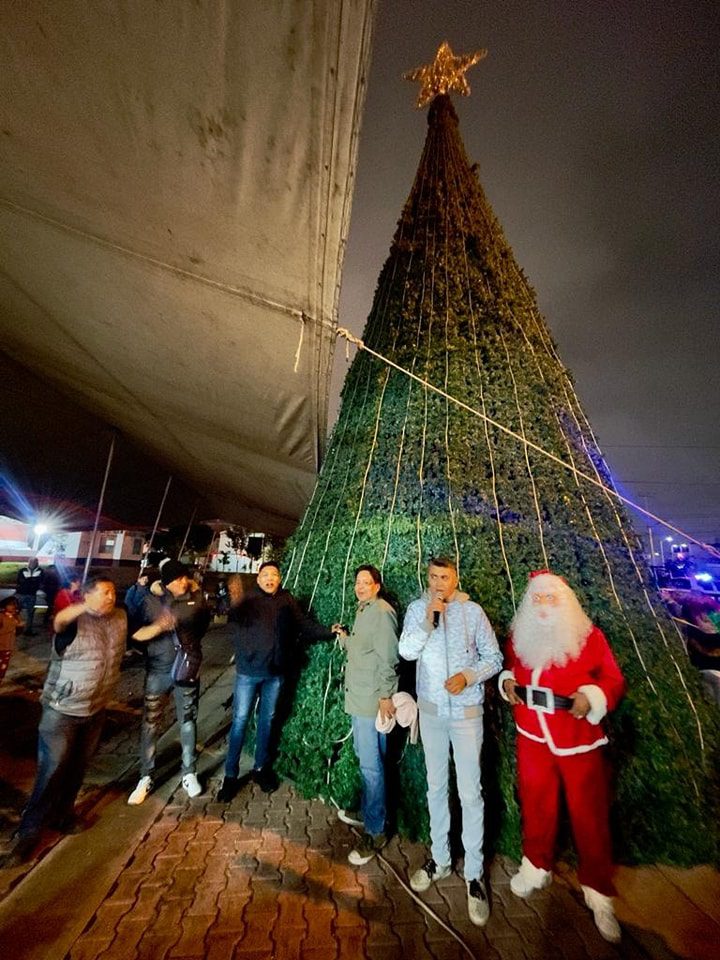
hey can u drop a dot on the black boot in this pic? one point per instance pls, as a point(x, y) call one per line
point(266, 779)
point(227, 791)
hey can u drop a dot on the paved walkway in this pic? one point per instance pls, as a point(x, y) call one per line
point(267, 877)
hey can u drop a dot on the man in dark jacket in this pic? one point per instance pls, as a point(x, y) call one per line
point(30, 579)
point(266, 623)
point(176, 619)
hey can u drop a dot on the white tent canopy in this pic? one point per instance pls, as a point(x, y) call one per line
point(175, 184)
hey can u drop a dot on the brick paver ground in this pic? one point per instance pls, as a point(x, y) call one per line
point(267, 876)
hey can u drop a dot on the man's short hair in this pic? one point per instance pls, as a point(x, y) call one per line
point(269, 563)
point(443, 562)
point(93, 582)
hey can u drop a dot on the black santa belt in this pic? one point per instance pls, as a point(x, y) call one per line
point(543, 700)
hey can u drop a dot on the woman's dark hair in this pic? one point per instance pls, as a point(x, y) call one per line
point(373, 571)
point(269, 563)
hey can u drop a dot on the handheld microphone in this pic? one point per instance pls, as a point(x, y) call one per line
point(436, 615)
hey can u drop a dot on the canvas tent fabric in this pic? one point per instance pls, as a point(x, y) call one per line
point(175, 186)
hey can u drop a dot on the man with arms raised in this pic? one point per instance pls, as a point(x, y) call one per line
point(456, 650)
point(561, 680)
point(87, 651)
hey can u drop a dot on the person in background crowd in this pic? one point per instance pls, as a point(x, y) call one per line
point(51, 586)
point(562, 680)
point(10, 625)
point(177, 619)
point(71, 592)
point(370, 681)
point(136, 597)
point(456, 651)
point(84, 667)
point(29, 581)
point(266, 627)
point(703, 640)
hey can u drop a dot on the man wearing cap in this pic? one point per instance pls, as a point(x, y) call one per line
point(176, 619)
point(456, 652)
point(562, 680)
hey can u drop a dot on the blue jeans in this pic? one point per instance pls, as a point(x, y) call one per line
point(65, 746)
point(158, 684)
point(465, 735)
point(370, 749)
point(246, 690)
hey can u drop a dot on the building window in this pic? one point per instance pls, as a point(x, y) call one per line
point(137, 546)
point(107, 544)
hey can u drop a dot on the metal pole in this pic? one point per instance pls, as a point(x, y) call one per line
point(91, 546)
point(187, 533)
point(159, 513)
point(652, 546)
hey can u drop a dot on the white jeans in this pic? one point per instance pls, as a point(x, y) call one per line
point(465, 735)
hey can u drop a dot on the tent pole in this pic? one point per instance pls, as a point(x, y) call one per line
point(187, 533)
point(159, 514)
point(91, 546)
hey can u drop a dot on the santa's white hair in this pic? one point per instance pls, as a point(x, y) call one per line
point(547, 635)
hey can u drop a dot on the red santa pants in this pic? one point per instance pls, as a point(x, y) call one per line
point(584, 779)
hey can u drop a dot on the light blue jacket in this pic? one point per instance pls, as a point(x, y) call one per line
point(464, 642)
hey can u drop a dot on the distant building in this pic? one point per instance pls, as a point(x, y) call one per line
point(226, 558)
point(111, 548)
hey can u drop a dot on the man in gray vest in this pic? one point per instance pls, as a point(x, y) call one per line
point(85, 663)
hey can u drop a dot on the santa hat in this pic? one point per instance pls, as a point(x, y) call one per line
point(549, 573)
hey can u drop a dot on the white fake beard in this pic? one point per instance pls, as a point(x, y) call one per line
point(553, 639)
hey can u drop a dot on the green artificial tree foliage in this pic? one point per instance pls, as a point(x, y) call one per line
point(410, 474)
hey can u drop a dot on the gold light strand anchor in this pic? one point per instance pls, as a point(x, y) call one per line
point(445, 74)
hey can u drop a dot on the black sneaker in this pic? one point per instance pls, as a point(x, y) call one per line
point(366, 849)
point(228, 790)
point(266, 779)
point(72, 825)
point(20, 852)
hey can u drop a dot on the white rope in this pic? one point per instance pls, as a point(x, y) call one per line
point(528, 467)
point(448, 467)
point(408, 890)
point(343, 332)
point(299, 346)
point(363, 488)
point(609, 493)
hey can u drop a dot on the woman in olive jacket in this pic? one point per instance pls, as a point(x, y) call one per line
point(370, 682)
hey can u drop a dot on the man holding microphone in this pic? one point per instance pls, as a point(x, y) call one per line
point(451, 638)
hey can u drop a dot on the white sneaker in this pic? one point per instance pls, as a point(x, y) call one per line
point(603, 914)
point(529, 878)
point(428, 873)
point(191, 785)
point(139, 794)
point(478, 906)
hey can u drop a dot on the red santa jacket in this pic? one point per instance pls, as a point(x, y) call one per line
point(593, 672)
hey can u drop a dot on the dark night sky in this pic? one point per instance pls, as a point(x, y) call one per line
point(595, 125)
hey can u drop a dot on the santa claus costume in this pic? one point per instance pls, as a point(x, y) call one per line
point(562, 679)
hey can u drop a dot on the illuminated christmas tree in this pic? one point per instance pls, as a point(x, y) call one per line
point(410, 473)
